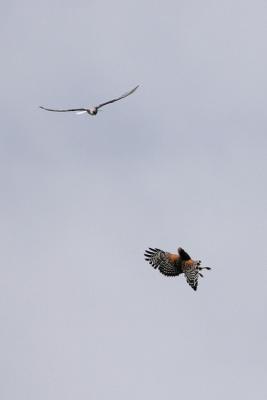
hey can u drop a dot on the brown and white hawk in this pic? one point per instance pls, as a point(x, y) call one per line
point(175, 264)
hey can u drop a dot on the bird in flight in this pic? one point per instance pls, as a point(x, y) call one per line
point(175, 264)
point(93, 110)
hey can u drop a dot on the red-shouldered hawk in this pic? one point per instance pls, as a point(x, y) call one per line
point(175, 264)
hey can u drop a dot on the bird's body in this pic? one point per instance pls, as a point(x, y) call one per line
point(175, 264)
point(91, 110)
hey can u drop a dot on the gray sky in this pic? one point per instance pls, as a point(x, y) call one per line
point(182, 162)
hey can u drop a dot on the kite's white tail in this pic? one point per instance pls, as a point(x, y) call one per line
point(80, 112)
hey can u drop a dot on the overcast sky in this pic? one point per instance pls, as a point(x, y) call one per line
point(181, 162)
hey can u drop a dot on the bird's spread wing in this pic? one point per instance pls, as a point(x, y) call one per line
point(165, 262)
point(118, 98)
point(70, 109)
point(191, 275)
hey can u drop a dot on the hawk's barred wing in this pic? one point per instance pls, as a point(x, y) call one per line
point(165, 262)
point(70, 109)
point(118, 98)
point(192, 277)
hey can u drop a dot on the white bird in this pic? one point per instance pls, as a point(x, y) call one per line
point(92, 110)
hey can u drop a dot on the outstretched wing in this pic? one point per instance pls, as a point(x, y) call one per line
point(70, 109)
point(191, 275)
point(118, 98)
point(165, 262)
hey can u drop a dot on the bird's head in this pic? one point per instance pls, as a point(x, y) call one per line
point(183, 254)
